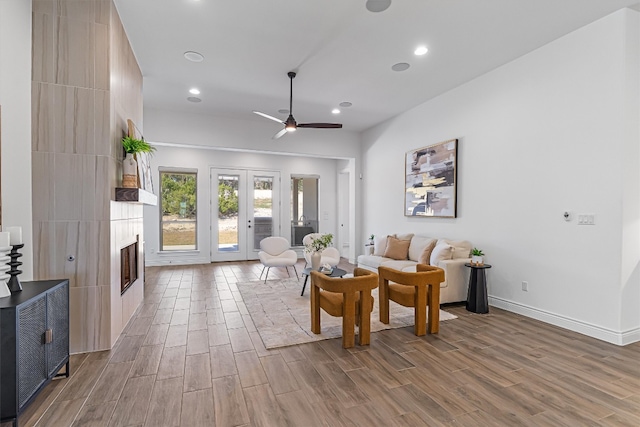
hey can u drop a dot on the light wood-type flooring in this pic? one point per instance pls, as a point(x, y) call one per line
point(192, 357)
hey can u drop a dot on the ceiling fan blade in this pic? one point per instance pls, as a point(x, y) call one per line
point(320, 125)
point(279, 134)
point(266, 116)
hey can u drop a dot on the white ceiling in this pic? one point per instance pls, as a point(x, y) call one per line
point(341, 51)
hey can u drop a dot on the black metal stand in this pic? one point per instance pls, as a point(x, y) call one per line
point(14, 283)
point(477, 298)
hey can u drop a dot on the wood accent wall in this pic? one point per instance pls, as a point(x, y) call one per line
point(85, 83)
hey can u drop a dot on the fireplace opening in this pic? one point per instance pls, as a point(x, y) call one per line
point(128, 266)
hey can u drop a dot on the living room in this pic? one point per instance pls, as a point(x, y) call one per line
point(534, 138)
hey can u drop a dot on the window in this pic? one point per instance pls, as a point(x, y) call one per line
point(178, 209)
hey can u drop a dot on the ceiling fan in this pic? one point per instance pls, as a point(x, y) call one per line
point(290, 124)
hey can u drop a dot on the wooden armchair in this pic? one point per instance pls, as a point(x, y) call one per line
point(349, 298)
point(418, 290)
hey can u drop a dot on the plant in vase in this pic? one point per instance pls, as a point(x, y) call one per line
point(476, 256)
point(315, 248)
point(133, 146)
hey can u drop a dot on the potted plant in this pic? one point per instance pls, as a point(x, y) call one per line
point(476, 256)
point(133, 146)
point(315, 248)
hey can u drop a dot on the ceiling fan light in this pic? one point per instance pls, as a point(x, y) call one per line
point(290, 128)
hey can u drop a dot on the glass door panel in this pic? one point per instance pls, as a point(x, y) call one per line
point(228, 186)
point(245, 211)
point(262, 209)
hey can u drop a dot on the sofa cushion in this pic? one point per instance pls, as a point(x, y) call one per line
point(441, 252)
point(407, 236)
point(400, 265)
point(379, 245)
point(461, 248)
point(418, 245)
point(372, 261)
point(396, 248)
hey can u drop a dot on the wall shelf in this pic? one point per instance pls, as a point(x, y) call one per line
point(136, 195)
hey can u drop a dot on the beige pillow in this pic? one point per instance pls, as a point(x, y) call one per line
point(407, 236)
point(396, 248)
point(440, 253)
point(380, 245)
point(461, 248)
point(425, 256)
point(417, 246)
point(459, 252)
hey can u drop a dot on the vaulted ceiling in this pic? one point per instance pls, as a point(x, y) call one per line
point(341, 51)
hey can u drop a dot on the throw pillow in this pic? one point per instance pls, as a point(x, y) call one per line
point(417, 246)
point(425, 256)
point(461, 248)
point(396, 249)
point(440, 253)
point(380, 245)
point(407, 236)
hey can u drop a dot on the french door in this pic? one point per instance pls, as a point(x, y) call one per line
point(245, 208)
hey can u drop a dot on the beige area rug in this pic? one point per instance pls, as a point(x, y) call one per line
point(283, 317)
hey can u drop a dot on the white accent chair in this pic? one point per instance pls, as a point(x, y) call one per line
point(275, 252)
point(330, 255)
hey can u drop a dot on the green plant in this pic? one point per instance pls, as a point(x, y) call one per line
point(477, 252)
point(371, 237)
point(227, 200)
point(319, 243)
point(134, 145)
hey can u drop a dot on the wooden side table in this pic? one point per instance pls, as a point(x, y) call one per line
point(477, 299)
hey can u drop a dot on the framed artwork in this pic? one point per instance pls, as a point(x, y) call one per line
point(144, 172)
point(430, 180)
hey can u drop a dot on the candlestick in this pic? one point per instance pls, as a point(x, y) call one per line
point(14, 283)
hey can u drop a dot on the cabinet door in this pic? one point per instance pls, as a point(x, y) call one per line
point(31, 350)
point(58, 322)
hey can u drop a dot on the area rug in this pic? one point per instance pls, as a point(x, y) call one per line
point(282, 316)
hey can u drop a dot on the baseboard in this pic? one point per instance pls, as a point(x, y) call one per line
point(179, 261)
point(594, 331)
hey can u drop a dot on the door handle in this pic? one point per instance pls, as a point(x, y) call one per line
point(48, 336)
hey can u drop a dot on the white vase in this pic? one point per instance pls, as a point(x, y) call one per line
point(129, 172)
point(4, 268)
point(316, 258)
point(476, 259)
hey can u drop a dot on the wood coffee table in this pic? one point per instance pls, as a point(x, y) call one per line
point(337, 272)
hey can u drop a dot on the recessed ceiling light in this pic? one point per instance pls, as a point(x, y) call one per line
point(283, 111)
point(345, 104)
point(194, 91)
point(194, 99)
point(194, 56)
point(400, 66)
point(421, 50)
point(335, 111)
point(378, 5)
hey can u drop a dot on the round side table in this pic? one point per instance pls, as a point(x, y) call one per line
point(477, 300)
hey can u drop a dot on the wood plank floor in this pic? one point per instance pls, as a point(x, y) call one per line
point(191, 356)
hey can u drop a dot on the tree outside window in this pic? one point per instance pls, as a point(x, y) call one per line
point(178, 207)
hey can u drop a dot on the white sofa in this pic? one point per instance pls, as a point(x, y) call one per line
point(447, 254)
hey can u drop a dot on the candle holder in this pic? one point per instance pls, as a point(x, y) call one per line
point(14, 283)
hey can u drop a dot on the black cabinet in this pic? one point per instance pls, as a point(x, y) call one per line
point(34, 342)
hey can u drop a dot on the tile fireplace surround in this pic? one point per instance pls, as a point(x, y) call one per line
point(126, 228)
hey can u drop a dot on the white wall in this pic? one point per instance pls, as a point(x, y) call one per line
point(15, 99)
point(203, 160)
point(552, 131)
